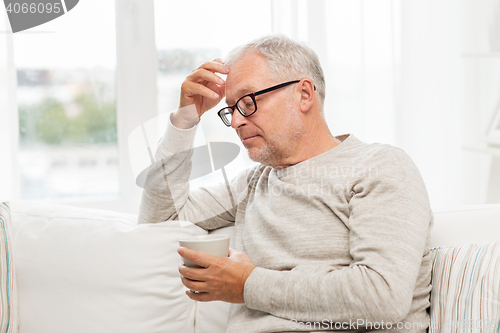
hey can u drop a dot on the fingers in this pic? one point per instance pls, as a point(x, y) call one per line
point(203, 87)
point(194, 285)
point(200, 297)
point(192, 273)
point(193, 88)
point(191, 278)
point(201, 75)
point(196, 257)
point(206, 73)
point(204, 82)
point(216, 66)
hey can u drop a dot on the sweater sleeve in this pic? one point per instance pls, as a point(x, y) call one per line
point(389, 222)
point(167, 195)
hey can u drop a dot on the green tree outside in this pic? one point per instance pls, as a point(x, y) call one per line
point(48, 123)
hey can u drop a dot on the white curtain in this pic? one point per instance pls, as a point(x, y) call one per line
point(431, 116)
point(392, 76)
point(8, 114)
point(357, 46)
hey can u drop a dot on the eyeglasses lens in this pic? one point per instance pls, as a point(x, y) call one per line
point(226, 116)
point(246, 105)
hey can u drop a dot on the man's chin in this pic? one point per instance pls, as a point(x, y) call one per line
point(254, 155)
point(260, 155)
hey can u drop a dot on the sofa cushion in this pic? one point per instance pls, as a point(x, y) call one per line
point(86, 270)
point(8, 290)
point(465, 288)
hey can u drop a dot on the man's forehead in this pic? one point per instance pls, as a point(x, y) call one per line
point(239, 82)
point(242, 90)
point(245, 78)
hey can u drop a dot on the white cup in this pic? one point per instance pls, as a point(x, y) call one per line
point(217, 245)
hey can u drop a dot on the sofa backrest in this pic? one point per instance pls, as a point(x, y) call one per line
point(41, 228)
point(477, 224)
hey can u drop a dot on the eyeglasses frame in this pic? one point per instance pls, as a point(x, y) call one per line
point(252, 96)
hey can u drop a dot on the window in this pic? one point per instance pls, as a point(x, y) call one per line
point(67, 106)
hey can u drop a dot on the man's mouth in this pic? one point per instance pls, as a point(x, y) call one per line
point(248, 138)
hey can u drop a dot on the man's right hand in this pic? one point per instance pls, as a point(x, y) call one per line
point(202, 88)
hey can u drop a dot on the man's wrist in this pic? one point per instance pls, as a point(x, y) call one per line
point(252, 286)
point(244, 280)
point(185, 117)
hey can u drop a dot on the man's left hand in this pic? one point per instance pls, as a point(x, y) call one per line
point(222, 279)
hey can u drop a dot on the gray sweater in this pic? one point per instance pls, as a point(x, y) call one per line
point(340, 241)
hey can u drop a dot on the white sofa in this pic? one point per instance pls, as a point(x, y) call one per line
point(82, 270)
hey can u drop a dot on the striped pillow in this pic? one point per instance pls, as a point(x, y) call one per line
point(8, 291)
point(465, 288)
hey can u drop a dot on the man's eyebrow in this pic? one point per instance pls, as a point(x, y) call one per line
point(241, 92)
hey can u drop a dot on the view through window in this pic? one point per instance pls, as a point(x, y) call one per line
point(67, 109)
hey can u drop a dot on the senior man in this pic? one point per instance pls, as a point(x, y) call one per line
point(330, 232)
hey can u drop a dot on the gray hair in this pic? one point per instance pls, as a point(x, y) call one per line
point(287, 60)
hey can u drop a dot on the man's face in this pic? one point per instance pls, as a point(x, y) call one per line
point(272, 133)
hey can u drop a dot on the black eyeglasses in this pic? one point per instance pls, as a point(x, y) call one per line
point(246, 105)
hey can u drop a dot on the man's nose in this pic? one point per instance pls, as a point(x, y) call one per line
point(237, 120)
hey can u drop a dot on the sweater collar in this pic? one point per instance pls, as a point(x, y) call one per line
point(348, 141)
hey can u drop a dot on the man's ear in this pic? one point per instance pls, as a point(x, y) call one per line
point(307, 94)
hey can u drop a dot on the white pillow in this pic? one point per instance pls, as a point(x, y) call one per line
point(93, 271)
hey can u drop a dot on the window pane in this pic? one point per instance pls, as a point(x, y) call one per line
point(67, 110)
